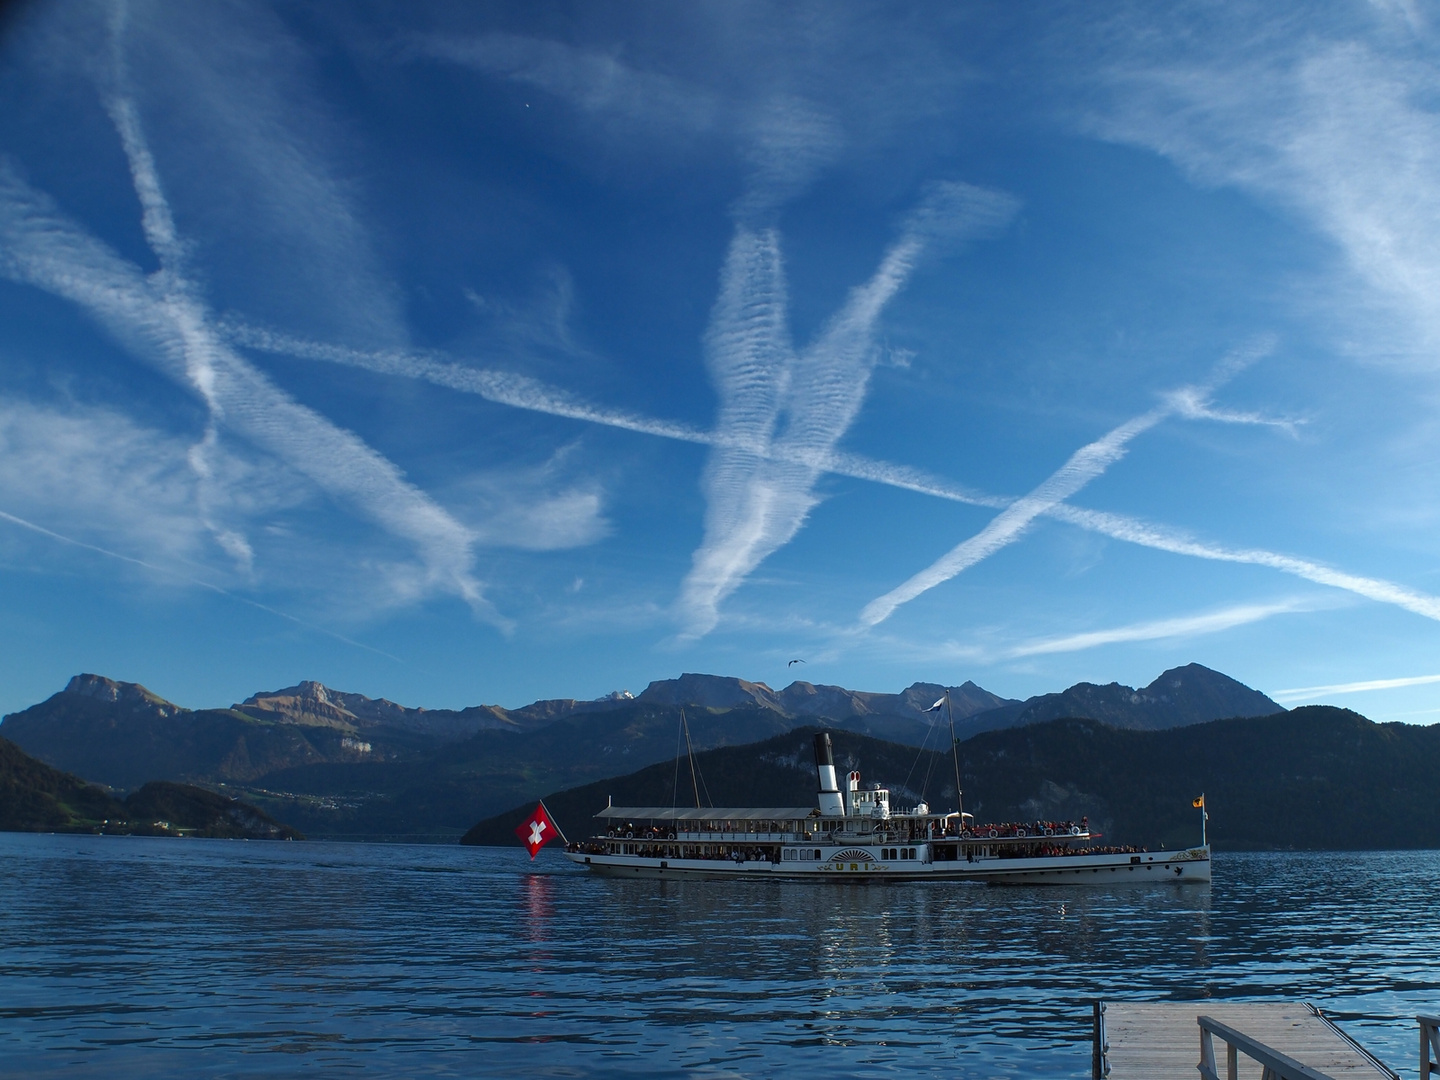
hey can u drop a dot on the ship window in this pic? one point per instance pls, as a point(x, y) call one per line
point(817, 853)
point(790, 854)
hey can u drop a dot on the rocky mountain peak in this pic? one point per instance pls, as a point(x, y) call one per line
point(308, 703)
point(710, 691)
point(100, 688)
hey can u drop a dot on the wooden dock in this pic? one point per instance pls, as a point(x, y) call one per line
point(1145, 1041)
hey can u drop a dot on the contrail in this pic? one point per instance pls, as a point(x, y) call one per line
point(500, 387)
point(199, 583)
point(1084, 465)
point(1162, 539)
point(1357, 687)
point(1180, 626)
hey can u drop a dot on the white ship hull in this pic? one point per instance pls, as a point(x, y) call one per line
point(861, 865)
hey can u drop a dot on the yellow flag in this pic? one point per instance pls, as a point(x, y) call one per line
point(1198, 803)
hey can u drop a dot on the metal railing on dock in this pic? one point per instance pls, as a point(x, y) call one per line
point(1277, 1066)
point(1429, 1046)
point(1099, 1056)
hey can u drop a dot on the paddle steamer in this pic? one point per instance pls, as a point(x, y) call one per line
point(855, 835)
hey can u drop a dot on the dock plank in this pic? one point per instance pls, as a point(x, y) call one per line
point(1160, 1041)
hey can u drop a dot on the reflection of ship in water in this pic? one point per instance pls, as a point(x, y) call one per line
point(855, 835)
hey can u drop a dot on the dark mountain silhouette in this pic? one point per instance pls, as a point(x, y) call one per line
point(37, 798)
point(198, 812)
point(1191, 694)
point(34, 797)
point(1314, 778)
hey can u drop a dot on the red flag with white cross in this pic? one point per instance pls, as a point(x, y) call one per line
point(538, 830)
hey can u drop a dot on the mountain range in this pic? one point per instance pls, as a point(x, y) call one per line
point(336, 763)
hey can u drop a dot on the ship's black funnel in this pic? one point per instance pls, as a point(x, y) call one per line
point(824, 754)
point(832, 803)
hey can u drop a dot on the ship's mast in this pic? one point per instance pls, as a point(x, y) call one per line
point(955, 749)
point(690, 751)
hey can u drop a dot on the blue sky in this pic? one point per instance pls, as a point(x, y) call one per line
point(461, 353)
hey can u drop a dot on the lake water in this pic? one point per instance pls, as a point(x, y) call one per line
point(127, 957)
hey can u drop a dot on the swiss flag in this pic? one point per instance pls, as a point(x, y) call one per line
point(537, 830)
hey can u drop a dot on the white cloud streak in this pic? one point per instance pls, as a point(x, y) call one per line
point(162, 320)
point(782, 412)
point(1343, 131)
point(1087, 463)
point(1159, 629)
point(1355, 687)
point(258, 168)
point(500, 387)
point(1084, 465)
point(1162, 539)
point(40, 530)
point(117, 479)
point(596, 82)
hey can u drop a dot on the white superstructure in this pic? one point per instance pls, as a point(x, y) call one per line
point(855, 835)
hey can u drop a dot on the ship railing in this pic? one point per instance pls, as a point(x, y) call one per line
point(1032, 830)
point(1276, 1066)
point(1429, 1046)
point(722, 837)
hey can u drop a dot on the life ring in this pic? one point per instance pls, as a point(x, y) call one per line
point(629, 836)
point(1049, 831)
point(670, 835)
point(609, 832)
point(1021, 832)
point(1074, 830)
point(994, 833)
